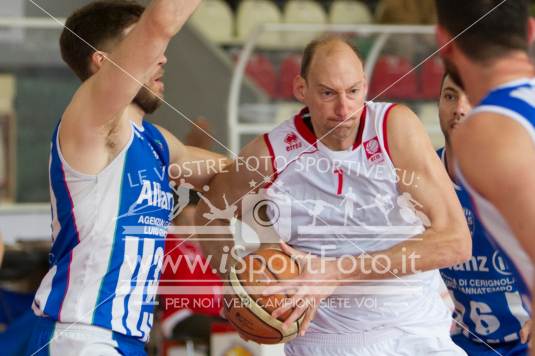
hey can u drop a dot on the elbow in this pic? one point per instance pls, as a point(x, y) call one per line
point(461, 247)
point(161, 28)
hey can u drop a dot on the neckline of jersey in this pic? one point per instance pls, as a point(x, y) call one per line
point(310, 136)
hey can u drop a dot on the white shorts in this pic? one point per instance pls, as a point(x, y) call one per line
point(391, 343)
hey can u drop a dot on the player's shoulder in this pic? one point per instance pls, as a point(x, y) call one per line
point(488, 143)
point(495, 127)
point(292, 129)
point(391, 113)
point(163, 131)
point(257, 147)
point(403, 124)
point(158, 131)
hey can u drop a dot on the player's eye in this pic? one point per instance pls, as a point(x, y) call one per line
point(327, 94)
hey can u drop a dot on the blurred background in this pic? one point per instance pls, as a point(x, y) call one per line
point(232, 64)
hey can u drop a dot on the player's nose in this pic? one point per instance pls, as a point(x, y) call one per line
point(342, 107)
point(462, 108)
point(163, 60)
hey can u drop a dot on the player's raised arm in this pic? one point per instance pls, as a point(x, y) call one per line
point(121, 73)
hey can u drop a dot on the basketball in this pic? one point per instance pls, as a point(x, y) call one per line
point(247, 309)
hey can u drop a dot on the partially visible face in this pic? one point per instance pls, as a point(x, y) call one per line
point(335, 90)
point(453, 72)
point(452, 108)
point(150, 100)
point(149, 96)
point(447, 44)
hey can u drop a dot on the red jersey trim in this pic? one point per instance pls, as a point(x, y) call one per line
point(385, 133)
point(310, 136)
point(360, 132)
point(273, 163)
point(303, 129)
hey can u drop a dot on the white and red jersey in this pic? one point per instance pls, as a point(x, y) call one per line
point(348, 203)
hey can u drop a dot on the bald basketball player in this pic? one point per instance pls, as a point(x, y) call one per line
point(110, 182)
point(495, 146)
point(369, 147)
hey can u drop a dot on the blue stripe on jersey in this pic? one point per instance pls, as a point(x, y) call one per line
point(102, 314)
point(42, 334)
point(511, 98)
point(128, 346)
point(157, 141)
point(67, 239)
point(505, 97)
point(133, 283)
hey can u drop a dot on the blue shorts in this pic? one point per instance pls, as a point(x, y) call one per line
point(475, 348)
point(50, 338)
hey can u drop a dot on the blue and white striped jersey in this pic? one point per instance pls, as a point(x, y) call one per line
point(108, 234)
point(515, 100)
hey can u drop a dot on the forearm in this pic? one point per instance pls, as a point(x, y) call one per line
point(199, 166)
point(428, 251)
point(134, 60)
point(168, 16)
point(216, 247)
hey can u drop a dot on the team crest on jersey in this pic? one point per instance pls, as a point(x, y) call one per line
point(292, 142)
point(373, 150)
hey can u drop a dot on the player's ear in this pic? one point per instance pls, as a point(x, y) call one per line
point(531, 30)
point(299, 88)
point(444, 40)
point(97, 59)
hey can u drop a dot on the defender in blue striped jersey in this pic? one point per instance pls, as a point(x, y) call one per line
point(495, 146)
point(489, 313)
point(110, 183)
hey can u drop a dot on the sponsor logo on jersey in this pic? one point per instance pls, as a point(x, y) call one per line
point(481, 264)
point(373, 150)
point(499, 264)
point(469, 215)
point(153, 195)
point(292, 142)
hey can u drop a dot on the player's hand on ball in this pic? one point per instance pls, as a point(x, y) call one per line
point(317, 281)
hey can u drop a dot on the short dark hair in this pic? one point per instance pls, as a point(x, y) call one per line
point(444, 76)
point(99, 24)
point(501, 28)
point(311, 48)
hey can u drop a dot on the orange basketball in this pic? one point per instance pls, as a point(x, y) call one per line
point(247, 309)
